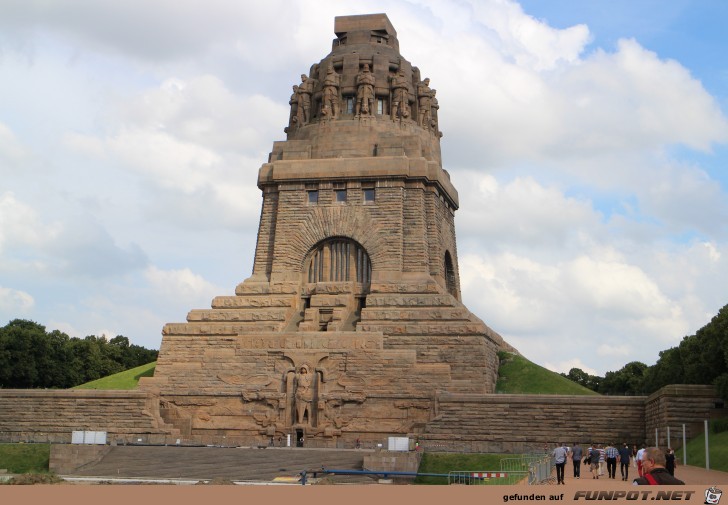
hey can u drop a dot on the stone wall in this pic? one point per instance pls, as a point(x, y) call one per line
point(52, 415)
point(524, 423)
point(468, 423)
point(678, 404)
point(65, 459)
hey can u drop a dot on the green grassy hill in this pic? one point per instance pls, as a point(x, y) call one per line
point(127, 379)
point(517, 375)
point(696, 452)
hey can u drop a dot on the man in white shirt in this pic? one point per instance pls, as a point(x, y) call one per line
point(640, 471)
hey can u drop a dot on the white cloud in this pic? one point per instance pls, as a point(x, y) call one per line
point(12, 153)
point(619, 351)
point(566, 365)
point(180, 283)
point(15, 301)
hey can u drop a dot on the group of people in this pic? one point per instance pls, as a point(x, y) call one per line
point(654, 465)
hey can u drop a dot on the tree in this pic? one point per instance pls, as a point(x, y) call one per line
point(30, 357)
point(628, 380)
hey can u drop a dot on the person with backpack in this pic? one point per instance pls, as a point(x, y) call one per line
point(654, 471)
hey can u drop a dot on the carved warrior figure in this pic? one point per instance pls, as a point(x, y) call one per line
point(364, 92)
point(304, 394)
point(330, 104)
point(434, 107)
point(400, 105)
point(424, 103)
point(304, 92)
point(293, 102)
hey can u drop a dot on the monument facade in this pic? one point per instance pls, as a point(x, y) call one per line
point(351, 325)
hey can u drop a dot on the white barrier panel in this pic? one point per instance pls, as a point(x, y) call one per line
point(398, 444)
point(88, 437)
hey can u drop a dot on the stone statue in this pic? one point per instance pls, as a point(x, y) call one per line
point(364, 92)
point(293, 102)
point(434, 121)
point(330, 106)
point(400, 102)
point(304, 394)
point(424, 103)
point(304, 92)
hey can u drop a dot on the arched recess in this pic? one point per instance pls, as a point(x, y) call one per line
point(450, 277)
point(338, 259)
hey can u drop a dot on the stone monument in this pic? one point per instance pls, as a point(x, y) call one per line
point(351, 325)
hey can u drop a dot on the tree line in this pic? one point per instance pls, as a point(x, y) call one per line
point(31, 357)
point(698, 359)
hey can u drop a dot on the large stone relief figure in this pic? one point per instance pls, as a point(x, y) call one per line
point(304, 394)
point(424, 104)
point(400, 105)
point(364, 92)
point(304, 92)
point(330, 106)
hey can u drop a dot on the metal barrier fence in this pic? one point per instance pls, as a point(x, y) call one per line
point(538, 466)
point(540, 469)
point(486, 478)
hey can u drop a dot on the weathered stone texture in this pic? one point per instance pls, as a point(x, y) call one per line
point(679, 404)
point(523, 423)
point(51, 416)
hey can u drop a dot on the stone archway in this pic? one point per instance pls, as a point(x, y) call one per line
point(336, 278)
point(338, 259)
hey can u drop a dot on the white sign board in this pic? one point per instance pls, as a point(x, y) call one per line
point(398, 444)
point(88, 437)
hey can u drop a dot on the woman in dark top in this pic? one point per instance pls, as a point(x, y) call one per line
point(670, 462)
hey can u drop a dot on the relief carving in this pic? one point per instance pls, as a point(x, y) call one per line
point(304, 395)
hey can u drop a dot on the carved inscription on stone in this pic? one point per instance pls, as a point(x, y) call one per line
point(310, 342)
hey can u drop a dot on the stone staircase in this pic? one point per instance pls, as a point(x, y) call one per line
point(217, 462)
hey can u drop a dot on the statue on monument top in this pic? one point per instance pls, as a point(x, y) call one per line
point(424, 103)
point(364, 92)
point(304, 92)
point(400, 105)
point(330, 105)
point(293, 116)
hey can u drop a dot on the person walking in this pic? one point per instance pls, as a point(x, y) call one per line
point(576, 455)
point(638, 458)
point(611, 455)
point(594, 458)
point(602, 459)
point(625, 453)
point(559, 455)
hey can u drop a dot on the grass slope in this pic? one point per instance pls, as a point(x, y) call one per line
point(128, 379)
point(696, 452)
point(517, 375)
point(438, 462)
point(25, 458)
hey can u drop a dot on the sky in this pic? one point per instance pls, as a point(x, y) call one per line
point(588, 140)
